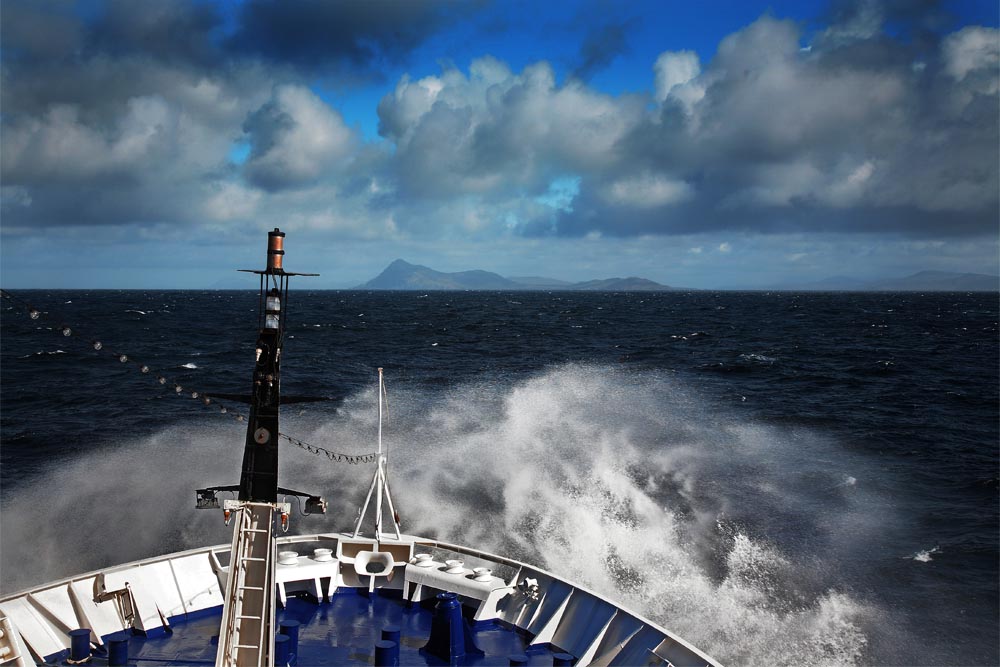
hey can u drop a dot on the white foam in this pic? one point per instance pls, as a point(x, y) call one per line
point(626, 472)
point(189, 365)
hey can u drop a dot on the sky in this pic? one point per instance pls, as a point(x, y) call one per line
point(721, 144)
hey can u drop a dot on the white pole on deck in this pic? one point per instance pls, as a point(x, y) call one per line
point(380, 475)
point(380, 482)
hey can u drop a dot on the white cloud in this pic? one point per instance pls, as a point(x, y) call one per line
point(970, 49)
point(295, 138)
point(230, 201)
point(647, 191)
point(62, 146)
point(676, 72)
point(495, 132)
point(765, 134)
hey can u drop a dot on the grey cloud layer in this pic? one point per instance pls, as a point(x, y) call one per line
point(856, 133)
point(120, 121)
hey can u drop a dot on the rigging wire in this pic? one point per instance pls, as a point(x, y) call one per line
point(67, 331)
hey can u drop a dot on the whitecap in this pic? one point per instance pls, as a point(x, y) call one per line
point(189, 365)
point(925, 556)
point(140, 312)
point(757, 358)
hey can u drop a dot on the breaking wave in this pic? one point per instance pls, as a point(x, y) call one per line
point(627, 483)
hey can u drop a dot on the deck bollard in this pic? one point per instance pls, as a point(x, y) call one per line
point(562, 660)
point(450, 638)
point(281, 655)
point(79, 647)
point(386, 653)
point(518, 659)
point(290, 628)
point(391, 632)
point(118, 649)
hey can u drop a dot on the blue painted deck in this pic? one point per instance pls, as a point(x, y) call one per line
point(341, 632)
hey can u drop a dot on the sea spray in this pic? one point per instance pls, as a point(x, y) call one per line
point(625, 483)
point(602, 477)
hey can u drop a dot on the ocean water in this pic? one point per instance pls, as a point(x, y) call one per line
point(784, 479)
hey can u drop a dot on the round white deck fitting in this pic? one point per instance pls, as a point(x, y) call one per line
point(483, 574)
point(322, 555)
point(288, 558)
point(374, 563)
point(454, 566)
point(422, 559)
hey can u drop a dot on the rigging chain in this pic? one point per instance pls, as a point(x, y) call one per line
point(67, 331)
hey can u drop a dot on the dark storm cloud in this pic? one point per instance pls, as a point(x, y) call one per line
point(317, 35)
point(178, 32)
point(600, 47)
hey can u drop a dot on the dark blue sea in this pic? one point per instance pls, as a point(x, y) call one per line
point(780, 478)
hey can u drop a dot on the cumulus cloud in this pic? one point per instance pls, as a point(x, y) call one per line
point(771, 136)
point(495, 132)
point(974, 51)
point(858, 132)
point(646, 191)
point(676, 74)
point(294, 139)
point(854, 131)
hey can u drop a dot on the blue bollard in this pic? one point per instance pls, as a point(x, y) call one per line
point(386, 653)
point(391, 632)
point(518, 659)
point(450, 637)
point(290, 628)
point(79, 644)
point(281, 650)
point(562, 660)
point(118, 649)
point(447, 640)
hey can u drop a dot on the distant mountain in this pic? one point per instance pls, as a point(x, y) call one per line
point(938, 281)
point(834, 284)
point(924, 281)
point(401, 275)
point(538, 282)
point(620, 285)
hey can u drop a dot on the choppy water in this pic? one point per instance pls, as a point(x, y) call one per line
point(805, 479)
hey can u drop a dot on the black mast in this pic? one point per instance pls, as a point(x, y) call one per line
point(259, 479)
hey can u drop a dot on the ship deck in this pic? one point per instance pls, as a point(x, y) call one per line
point(342, 608)
point(340, 632)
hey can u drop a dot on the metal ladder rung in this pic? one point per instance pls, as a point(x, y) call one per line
point(256, 648)
point(249, 588)
point(256, 530)
point(252, 618)
point(253, 559)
